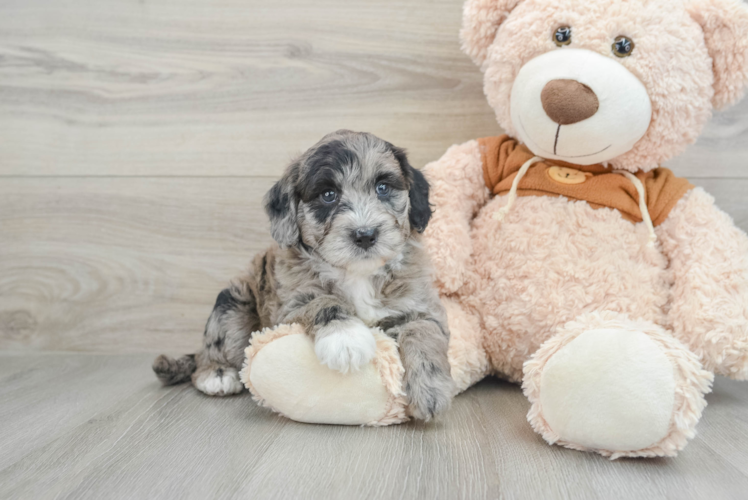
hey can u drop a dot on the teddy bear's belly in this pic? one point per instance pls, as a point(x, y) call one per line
point(552, 259)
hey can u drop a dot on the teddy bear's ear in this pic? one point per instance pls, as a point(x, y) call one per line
point(725, 26)
point(480, 21)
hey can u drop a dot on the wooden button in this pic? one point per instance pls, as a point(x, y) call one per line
point(566, 175)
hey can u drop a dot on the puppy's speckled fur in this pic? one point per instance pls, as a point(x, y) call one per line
point(317, 276)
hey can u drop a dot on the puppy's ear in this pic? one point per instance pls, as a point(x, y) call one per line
point(420, 210)
point(280, 205)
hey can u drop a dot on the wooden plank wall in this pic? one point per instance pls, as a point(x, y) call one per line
point(137, 138)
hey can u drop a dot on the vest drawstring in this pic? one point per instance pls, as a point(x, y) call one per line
point(512, 196)
point(642, 203)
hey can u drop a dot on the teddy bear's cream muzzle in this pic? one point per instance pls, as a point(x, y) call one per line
point(579, 106)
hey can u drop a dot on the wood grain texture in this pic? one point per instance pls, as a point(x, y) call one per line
point(78, 426)
point(134, 264)
point(137, 140)
point(121, 264)
point(229, 87)
point(232, 87)
point(139, 137)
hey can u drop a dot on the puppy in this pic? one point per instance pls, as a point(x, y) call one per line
point(346, 217)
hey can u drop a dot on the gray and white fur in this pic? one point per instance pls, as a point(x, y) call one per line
point(346, 216)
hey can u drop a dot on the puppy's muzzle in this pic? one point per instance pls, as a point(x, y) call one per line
point(365, 237)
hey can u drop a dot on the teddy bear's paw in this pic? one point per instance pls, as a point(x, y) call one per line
point(284, 373)
point(609, 389)
point(345, 345)
point(621, 388)
point(218, 381)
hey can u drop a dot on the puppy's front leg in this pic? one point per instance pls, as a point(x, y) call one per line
point(428, 383)
point(341, 340)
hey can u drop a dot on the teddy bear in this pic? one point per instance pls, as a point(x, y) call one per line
point(568, 259)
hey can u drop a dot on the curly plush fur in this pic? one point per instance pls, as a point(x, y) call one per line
point(528, 293)
point(691, 56)
point(338, 285)
point(386, 363)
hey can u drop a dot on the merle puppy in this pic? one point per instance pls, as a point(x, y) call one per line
point(346, 217)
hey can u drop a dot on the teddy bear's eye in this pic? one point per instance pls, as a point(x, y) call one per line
point(562, 36)
point(623, 46)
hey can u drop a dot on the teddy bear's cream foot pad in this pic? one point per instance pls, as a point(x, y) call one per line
point(283, 373)
point(609, 388)
point(619, 387)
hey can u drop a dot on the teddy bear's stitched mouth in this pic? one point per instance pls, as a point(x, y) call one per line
point(556, 143)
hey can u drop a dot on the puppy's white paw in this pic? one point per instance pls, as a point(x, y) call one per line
point(219, 382)
point(345, 345)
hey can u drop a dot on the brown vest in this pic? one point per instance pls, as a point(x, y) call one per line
point(597, 185)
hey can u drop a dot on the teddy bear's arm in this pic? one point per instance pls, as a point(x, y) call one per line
point(709, 304)
point(457, 193)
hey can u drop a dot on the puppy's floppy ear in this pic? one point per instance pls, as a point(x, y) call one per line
point(420, 210)
point(725, 26)
point(418, 190)
point(280, 205)
point(480, 22)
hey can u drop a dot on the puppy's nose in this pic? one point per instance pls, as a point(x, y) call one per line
point(568, 101)
point(365, 237)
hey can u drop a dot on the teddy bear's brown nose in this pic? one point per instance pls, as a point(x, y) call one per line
point(568, 101)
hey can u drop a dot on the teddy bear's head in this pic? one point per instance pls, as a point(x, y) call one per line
point(628, 82)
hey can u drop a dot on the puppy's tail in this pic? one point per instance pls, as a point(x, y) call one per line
point(172, 371)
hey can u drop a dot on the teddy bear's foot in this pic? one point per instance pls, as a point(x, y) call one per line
point(283, 373)
point(616, 386)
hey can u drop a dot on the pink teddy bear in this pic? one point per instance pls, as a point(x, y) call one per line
point(568, 260)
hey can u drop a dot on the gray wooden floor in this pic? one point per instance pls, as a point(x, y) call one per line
point(98, 426)
point(136, 140)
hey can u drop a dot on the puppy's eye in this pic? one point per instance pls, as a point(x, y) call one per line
point(329, 196)
point(623, 46)
point(383, 189)
point(562, 36)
